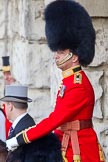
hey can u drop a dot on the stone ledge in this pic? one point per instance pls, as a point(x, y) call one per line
point(96, 8)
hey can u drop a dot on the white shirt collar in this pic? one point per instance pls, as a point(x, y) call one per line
point(18, 119)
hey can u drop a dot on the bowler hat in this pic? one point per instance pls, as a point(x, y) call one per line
point(6, 64)
point(69, 26)
point(16, 94)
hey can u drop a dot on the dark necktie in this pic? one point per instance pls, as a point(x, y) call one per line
point(10, 131)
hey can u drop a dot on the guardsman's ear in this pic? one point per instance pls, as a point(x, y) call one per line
point(75, 58)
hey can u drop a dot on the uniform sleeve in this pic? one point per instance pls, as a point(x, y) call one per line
point(73, 101)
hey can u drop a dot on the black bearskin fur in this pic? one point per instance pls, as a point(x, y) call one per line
point(45, 149)
point(68, 26)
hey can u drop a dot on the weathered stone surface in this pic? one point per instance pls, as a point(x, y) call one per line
point(40, 107)
point(19, 18)
point(105, 95)
point(33, 60)
point(96, 8)
point(3, 19)
point(26, 19)
point(94, 77)
point(2, 51)
point(36, 20)
point(101, 53)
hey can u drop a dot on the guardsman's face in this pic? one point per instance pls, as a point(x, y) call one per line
point(59, 56)
point(65, 59)
point(8, 78)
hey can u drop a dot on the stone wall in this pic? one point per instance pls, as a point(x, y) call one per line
point(22, 37)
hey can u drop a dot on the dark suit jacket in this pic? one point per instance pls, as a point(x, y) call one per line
point(21, 152)
point(25, 122)
point(47, 148)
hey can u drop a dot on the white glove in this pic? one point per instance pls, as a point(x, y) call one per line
point(12, 144)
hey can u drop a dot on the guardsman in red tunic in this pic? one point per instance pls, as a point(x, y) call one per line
point(70, 34)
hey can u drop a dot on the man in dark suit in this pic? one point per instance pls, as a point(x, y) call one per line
point(16, 108)
point(47, 149)
point(19, 116)
point(16, 102)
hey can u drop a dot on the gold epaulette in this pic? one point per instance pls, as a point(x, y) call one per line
point(78, 78)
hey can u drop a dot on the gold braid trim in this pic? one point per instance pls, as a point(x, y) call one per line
point(25, 137)
point(101, 153)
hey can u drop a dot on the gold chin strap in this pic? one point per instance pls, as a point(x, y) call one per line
point(66, 58)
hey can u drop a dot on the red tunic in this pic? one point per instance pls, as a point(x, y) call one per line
point(76, 102)
point(7, 122)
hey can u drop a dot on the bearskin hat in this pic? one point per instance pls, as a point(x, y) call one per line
point(69, 26)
